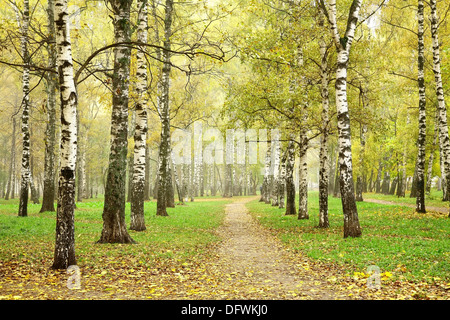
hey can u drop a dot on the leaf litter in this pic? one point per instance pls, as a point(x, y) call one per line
point(249, 263)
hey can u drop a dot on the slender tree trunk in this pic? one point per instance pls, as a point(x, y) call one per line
point(290, 186)
point(402, 190)
point(140, 132)
point(431, 159)
point(81, 165)
point(303, 180)
point(114, 227)
point(12, 165)
point(48, 194)
point(177, 180)
point(445, 196)
point(25, 173)
point(359, 179)
point(266, 179)
point(420, 200)
point(130, 161)
point(393, 186)
point(282, 182)
point(323, 153)
point(343, 44)
point(170, 189)
point(164, 147)
point(65, 227)
point(33, 189)
point(147, 192)
point(276, 169)
point(413, 193)
point(444, 140)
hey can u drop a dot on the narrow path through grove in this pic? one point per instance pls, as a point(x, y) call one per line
point(256, 265)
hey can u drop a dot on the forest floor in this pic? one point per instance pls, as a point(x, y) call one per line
point(256, 264)
point(248, 261)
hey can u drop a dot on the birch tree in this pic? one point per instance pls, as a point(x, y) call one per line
point(282, 181)
point(140, 132)
point(114, 228)
point(343, 46)
point(164, 147)
point(12, 164)
point(323, 153)
point(442, 110)
point(48, 197)
point(25, 105)
point(290, 186)
point(303, 178)
point(275, 163)
point(420, 165)
point(65, 228)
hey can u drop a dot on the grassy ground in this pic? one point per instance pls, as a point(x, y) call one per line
point(175, 256)
point(403, 244)
point(433, 199)
point(187, 231)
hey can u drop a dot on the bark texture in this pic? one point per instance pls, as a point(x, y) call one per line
point(48, 196)
point(164, 181)
point(290, 186)
point(114, 228)
point(420, 197)
point(444, 140)
point(323, 153)
point(303, 179)
point(343, 44)
point(140, 133)
point(25, 171)
point(65, 228)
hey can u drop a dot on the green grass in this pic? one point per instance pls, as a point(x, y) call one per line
point(409, 245)
point(433, 199)
point(186, 232)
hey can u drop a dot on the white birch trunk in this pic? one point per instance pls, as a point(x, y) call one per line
point(303, 179)
point(343, 45)
point(25, 170)
point(163, 179)
point(323, 153)
point(290, 185)
point(137, 221)
point(276, 170)
point(282, 181)
point(65, 229)
point(420, 199)
point(444, 140)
